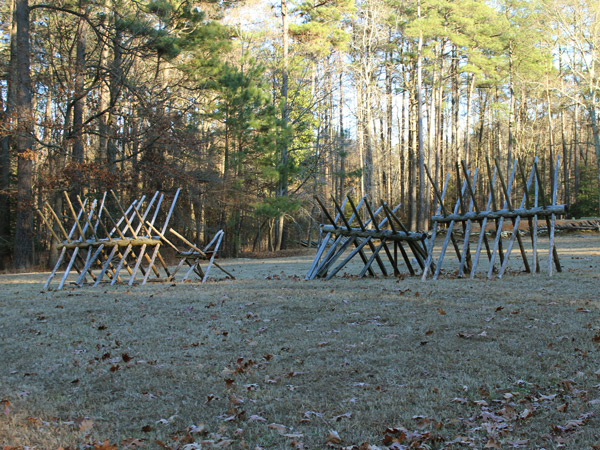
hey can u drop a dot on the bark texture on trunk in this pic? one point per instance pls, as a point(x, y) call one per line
point(23, 253)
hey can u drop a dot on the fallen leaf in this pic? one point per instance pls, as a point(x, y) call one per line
point(192, 446)
point(132, 443)
point(200, 429)
point(441, 312)
point(492, 443)
point(105, 446)
point(236, 400)
point(342, 416)
point(394, 446)
point(525, 414)
point(210, 398)
point(86, 425)
point(256, 418)
point(333, 437)
point(569, 426)
point(281, 429)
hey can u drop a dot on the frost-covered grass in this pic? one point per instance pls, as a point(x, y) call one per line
point(275, 362)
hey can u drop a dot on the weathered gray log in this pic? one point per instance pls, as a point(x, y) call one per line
point(506, 213)
point(112, 243)
point(429, 261)
point(374, 234)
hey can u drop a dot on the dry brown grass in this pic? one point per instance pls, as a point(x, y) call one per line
point(272, 361)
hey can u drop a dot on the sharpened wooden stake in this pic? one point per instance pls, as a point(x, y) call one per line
point(90, 250)
point(364, 236)
point(528, 208)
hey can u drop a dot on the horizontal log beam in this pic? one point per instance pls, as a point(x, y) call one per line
point(540, 211)
point(112, 243)
point(374, 234)
point(193, 254)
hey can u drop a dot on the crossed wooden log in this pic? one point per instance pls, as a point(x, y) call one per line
point(498, 209)
point(194, 256)
point(96, 253)
point(133, 242)
point(381, 230)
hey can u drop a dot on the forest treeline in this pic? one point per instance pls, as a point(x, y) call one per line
point(254, 107)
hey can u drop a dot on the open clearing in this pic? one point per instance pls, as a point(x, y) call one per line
point(271, 361)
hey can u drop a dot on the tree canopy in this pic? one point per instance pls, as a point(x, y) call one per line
point(253, 107)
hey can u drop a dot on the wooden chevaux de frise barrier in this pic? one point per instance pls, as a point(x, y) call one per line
point(124, 247)
point(382, 226)
point(501, 190)
point(509, 198)
point(486, 211)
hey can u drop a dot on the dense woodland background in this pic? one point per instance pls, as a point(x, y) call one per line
point(253, 107)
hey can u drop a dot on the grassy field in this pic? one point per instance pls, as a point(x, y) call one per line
point(270, 361)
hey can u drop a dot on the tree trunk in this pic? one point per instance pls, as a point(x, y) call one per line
point(596, 134)
point(550, 135)
point(23, 254)
point(360, 141)
point(576, 152)
point(103, 106)
point(282, 190)
point(413, 164)
point(511, 112)
point(368, 141)
point(116, 78)
point(6, 141)
point(403, 150)
point(468, 124)
point(455, 104)
point(79, 102)
point(421, 150)
point(342, 174)
point(4, 190)
point(389, 124)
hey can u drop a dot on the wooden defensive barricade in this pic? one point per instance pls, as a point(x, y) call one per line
point(194, 256)
point(95, 252)
point(498, 209)
point(381, 230)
